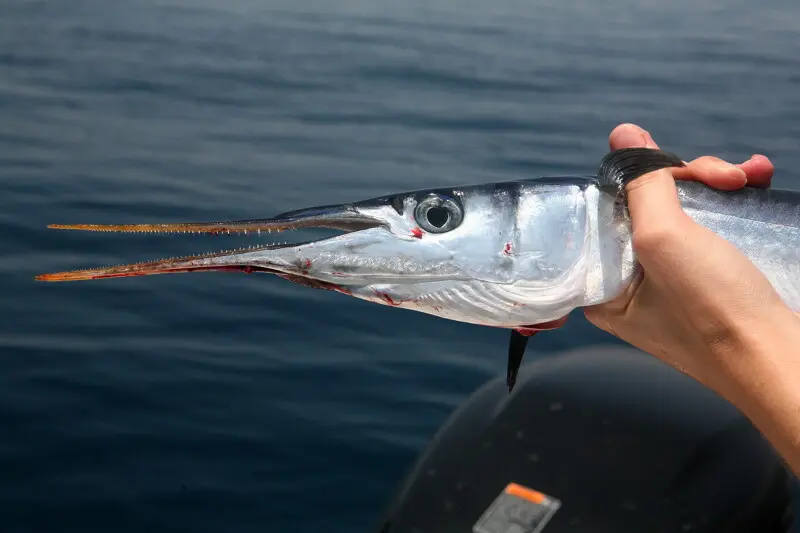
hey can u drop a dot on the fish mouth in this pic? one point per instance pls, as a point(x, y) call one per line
point(345, 218)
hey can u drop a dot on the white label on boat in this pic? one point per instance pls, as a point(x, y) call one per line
point(517, 509)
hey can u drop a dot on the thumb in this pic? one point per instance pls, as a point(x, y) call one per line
point(653, 200)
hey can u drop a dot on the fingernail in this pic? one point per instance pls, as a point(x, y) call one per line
point(648, 140)
point(731, 169)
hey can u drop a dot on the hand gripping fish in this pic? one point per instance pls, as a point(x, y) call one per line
point(519, 255)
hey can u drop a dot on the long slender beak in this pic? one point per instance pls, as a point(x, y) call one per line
point(339, 217)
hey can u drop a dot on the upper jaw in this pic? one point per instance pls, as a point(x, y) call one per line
point(375, 226)
point(347, 218)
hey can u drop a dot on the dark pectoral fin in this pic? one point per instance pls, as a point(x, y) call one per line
point(620, 167)
point(516, 351)
point(518, 343)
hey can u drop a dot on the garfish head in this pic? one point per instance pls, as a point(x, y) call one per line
point(518, 255)
point(460, 253)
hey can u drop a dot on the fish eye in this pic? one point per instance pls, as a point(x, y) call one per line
point(438, 214)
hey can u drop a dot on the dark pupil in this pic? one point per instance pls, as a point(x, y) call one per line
point(438, 216)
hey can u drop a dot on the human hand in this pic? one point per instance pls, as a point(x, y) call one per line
point(714, 172)
point(698, 301)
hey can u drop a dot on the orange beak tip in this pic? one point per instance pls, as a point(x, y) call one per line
point(49, 277)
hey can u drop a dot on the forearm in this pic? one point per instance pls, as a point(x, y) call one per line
point(761, 376)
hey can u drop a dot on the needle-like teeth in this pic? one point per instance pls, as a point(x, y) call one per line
point(341, 218)
point(152, 266)
point(192, 227)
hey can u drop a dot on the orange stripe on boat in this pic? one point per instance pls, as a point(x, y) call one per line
point(525, 493)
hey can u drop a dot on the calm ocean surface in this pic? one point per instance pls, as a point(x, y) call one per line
point(231, 403)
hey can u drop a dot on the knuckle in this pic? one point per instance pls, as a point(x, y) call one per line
point(599, 318)
point(655, 237)
point(594, 314)
point(706, 160)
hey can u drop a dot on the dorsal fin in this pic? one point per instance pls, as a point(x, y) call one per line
point(620, 167)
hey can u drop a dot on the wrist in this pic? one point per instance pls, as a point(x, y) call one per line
point(768, 349)
point(760, 375)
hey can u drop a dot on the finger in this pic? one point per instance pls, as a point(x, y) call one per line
point(714, 172)
point(718, 173)
point(759, 170)
point(630, 136)
point(653, 201)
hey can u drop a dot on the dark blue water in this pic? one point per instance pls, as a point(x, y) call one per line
point(218, 402)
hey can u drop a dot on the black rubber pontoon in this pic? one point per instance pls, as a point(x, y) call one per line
point(617, 440)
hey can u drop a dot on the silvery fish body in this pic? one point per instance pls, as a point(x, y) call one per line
point(506, 254)
point(524, 253)
point(530, 252)
point(763, 224)
point(519, 255)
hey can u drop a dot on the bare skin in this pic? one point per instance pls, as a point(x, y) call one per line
point(701, 306)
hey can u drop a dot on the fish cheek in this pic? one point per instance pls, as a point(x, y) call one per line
point(552, 239)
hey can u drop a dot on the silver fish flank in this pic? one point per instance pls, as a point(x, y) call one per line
point(520, 255)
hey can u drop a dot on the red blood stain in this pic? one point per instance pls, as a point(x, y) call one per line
point(507, 249)
point(315, 284)
point(417, 232)
point(124, 275)
point(178, 271)
point(307, 263)
point(533, 329)
point(386, 298)
point(247, 270)
point(389, 299)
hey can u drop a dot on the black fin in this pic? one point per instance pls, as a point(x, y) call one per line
point(516, 350)
point(620, 167)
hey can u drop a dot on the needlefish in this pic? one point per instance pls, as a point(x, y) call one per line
point(519, 255)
